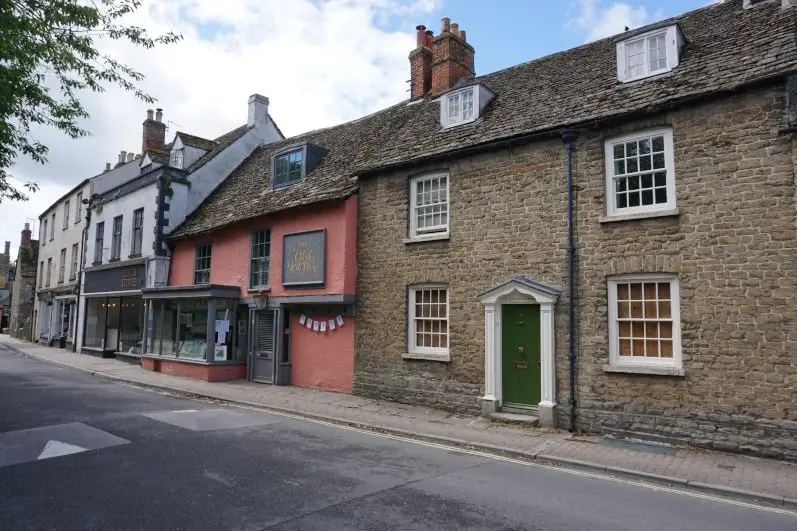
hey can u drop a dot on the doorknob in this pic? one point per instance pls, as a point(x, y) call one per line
point(520, 349)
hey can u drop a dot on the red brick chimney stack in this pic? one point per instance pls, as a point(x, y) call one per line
point(452, 57)
point(421, 64)
point(24, 241)
point(154, 134)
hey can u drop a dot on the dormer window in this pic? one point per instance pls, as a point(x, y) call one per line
point(464, 105)
point(288, 167)
point(460, 107)
point(649, 54)
point(291, 164)
point(176, 159)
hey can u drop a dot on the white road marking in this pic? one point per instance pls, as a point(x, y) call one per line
point(55, 448)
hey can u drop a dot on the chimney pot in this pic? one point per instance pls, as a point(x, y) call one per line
point(421, 36)
point(158, 115)
point(445, 25)
point(429, 34)
point(107, 166)
point(123, 157)
point(452, 58)
point(130, 157)
point(150, 114)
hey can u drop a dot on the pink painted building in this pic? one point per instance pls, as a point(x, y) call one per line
point(262, 277)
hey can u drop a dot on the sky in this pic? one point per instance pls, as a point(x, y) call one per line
point(320, 62)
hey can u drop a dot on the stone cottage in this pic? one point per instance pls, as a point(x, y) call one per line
point(603, 238)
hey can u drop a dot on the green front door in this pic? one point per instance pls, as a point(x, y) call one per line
point(520, 355)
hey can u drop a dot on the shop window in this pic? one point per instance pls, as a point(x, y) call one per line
point(131, 325)
point(96, 314)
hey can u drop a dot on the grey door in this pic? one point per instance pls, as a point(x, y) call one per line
point(264, 358)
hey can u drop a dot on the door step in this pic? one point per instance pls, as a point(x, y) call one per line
point(517, 419)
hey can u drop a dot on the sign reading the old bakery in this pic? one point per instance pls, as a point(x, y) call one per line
point(127, 278)
point(304, 258)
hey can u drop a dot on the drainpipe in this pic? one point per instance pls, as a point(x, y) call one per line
point(569, 137)
point(89, 204)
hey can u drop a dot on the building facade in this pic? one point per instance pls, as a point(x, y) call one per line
point(22, 321)
point(125, 248)
point(60, 239)
point(264, 287)
point(602, 241)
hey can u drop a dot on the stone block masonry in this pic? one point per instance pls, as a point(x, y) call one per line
point(732, 244)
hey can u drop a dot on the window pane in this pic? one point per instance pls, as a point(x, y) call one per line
point(429, 318)
point(644, 324)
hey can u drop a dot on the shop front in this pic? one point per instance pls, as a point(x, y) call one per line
point(196, 331)
point(114, 311)
point(57, 317)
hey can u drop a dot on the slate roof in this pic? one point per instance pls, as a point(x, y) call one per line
point(157, 156)
point(221, 143)
point(726, 48)
point(196, 141)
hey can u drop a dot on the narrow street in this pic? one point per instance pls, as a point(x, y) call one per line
point(77, 452)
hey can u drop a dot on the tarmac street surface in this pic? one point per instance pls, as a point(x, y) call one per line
point(81, 453)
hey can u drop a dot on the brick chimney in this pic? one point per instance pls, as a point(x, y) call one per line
point(452, 57)
point(154, 134)
point(24, 241)
point(421, 64)
point(8, 249)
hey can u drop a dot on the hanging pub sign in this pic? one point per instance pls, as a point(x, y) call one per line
point(304, 258)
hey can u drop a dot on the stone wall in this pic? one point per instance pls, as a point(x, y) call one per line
point(733, 246)
point(22, 306)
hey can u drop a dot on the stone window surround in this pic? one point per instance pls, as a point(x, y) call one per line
point(427, 353)
point(519, 292)
point(413, 235)
point(652, 211)
point(661, 366)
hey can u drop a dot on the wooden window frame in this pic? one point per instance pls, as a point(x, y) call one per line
point(615, 360)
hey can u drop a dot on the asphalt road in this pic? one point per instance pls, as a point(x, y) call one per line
point(81, 453)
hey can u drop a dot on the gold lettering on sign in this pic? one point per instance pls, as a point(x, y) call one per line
point(303, 260)
point(129, 277)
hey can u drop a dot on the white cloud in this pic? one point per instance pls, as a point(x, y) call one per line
point(600, 19)
point(320, 62)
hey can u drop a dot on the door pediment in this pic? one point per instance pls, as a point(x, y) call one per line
point(521, 288)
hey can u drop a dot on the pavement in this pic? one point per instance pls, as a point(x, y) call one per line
point(759, 480)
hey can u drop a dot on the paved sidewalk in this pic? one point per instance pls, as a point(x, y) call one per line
point(738, 476)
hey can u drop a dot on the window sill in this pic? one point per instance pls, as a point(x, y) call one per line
point(428, 238)
point(647, 369)
point(428, 357)
point(640, 215)
point(114, 260)
point(134, 255)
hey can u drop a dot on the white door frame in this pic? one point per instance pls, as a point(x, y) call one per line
point(520, 290)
